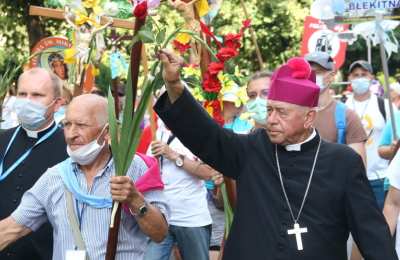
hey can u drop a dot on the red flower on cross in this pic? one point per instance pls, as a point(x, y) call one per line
point(140, 11)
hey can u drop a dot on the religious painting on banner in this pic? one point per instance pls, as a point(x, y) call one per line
point(355, 11)
point(318, 37)
point(51, 55)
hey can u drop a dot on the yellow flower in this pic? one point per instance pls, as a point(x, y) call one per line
point(197, 94)
point(202, 7)
point(242, 95)
point(183, 38)
point(69, 56)
point(90, 3)
point(81, 18)
point(226, 82)
point(191, 70)
point(237, 72)
point(230, 88)
point(210, 110)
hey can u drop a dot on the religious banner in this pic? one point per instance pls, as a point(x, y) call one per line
point(50, 55)
point(318, 37)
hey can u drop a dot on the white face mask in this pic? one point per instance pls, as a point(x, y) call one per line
point(31, 115)
point(320, 82)
point(86, 154)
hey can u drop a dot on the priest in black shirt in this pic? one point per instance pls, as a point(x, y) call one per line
point(27, 151)
point(298, 196)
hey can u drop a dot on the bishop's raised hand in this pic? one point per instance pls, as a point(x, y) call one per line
point(172, 65)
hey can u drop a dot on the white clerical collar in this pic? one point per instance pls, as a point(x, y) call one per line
point(35, 134)
point(297, 147)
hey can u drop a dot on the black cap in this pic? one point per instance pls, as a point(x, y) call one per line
point(362, 64)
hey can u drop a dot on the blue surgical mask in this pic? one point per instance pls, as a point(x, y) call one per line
point(30, 114)
point(360, 85)
point(258, 110)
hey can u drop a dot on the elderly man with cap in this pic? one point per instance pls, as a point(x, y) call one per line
point(76, 195)
point(26, 152)
point(334, 122)
point(372, 111)
point(295, 201)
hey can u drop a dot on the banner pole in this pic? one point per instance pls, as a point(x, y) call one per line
point(385, 68)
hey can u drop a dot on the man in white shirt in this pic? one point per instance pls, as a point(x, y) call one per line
point(372, 111)
point(392, 202)
point(183, 176)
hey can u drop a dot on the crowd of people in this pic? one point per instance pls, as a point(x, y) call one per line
point(305, 175)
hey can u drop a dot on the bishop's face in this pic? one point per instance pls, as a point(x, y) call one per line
point(288, 123)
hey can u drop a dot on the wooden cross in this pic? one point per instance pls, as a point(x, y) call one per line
point(297, 231)
point(59, 14)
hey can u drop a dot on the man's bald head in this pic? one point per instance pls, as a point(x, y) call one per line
point(89, 106)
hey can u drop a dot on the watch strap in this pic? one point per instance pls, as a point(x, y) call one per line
point(141, 211)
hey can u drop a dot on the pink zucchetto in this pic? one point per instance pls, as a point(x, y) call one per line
point(294, 83)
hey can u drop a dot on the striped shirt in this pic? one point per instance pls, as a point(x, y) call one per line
point(46, 201)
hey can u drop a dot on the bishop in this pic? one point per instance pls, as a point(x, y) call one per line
point(286, 174)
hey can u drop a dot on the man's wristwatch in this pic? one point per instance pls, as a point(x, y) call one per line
point(180, 160)
point(141, 211)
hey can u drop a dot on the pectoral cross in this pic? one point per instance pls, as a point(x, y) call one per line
point(298, 231)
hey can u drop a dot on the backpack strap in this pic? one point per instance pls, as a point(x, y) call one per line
point(381, 105)
point(340, 120)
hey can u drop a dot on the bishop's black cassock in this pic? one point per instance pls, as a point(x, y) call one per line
point(38, 245)
point(340, 198)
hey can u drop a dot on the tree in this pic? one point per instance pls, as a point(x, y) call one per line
point(358, 51)
point(278, 25)
point(20, 32)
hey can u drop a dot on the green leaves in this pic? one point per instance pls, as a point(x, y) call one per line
point(114, 133)
point(146, 36)
point(10, 75)
point(228, 212)
point(7, 79)
point(125, 137)
point(161, 36)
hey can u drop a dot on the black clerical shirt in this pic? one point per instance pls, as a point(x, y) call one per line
point(340, 198)
point(37, 245)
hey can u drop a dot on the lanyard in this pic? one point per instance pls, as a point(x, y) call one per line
point(4, 174)
point(79, 213)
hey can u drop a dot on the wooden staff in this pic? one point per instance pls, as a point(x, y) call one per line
point(136, 54)
point(253, 37)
